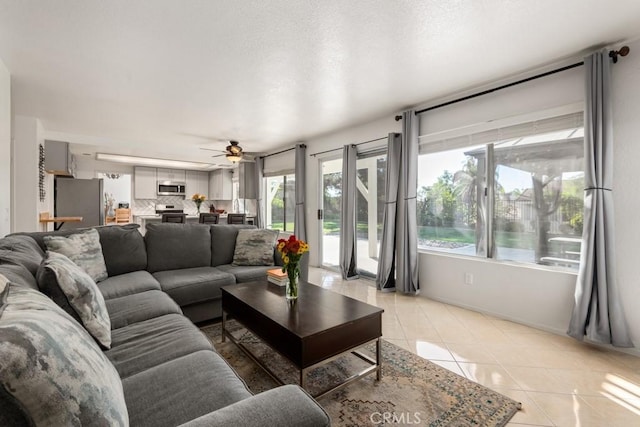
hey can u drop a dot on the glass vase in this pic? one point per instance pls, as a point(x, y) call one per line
point(291, 290)
point(198, 208)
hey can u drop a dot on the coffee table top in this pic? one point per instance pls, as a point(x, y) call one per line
point(316, 310)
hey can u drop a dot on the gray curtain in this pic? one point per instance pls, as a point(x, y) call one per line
point(348, 243)
point(598, 312)
point(259, 192)
point(385, 279)
point(407, 222)
point(299, 217)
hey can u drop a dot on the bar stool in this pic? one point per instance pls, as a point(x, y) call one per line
point(236, 218)
point(209, 218)
point(176, 218)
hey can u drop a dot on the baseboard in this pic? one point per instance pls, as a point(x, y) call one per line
point(561, 332)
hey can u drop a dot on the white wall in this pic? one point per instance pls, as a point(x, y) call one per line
point(626, 130)
point(25, 198)
point(528, 294)
point(5, 150)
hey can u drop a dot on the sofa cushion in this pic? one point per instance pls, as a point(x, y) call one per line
point(175, 246)
point(52, 367)
point(143, 345)
point(246, 273)
point(192, 285)
point(75, 292)
point(21, 250)
point(139, 307)
point(128, 284)
point(83, 249)
point(123, 248)
point(223, 242)
point(164, 395)
point(254, 247)
point(19, 275)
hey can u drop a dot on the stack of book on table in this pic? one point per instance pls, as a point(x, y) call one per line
point(277, 277)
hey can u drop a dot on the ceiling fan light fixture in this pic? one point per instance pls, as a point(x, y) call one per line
point(234, 158)
point(234, 148)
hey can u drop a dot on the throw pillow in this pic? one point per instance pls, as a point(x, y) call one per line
point(76, 293)
point(84, 249)
point(51, 370)
point(254, 247)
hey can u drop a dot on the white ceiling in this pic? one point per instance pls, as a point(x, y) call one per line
point(166, 77)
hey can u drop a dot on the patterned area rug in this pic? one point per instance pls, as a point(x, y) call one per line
point(413, 391)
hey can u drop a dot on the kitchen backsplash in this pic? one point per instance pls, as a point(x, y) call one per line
point(147, 206)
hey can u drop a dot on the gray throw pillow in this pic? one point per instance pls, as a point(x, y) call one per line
point(76, 293)
point(254, 247)
point(84, 249)
point(51, 369)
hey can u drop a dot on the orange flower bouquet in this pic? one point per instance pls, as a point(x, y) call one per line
point(292, 251)
point(198, 199)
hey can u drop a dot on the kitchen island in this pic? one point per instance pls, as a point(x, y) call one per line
point(143, 220)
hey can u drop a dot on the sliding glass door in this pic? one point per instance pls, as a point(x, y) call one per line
point(370, 180)
point(331, 178)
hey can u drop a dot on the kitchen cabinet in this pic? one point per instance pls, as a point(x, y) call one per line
point(220, 185)
point(144, 183)
point(176, 175)
point(197, 182)
point(247, 180)
point(58, 160)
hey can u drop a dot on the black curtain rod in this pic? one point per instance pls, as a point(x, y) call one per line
point(359, 143)
point(278, 152)
point(613, 54)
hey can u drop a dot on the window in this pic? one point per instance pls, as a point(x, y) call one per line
point(280, 202)
point(527, 179)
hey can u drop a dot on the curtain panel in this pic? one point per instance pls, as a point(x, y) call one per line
point(259, 222)
point(348, 243)
point(299, 216)
point(386, 275)
point(598, 314)
point(407, 221)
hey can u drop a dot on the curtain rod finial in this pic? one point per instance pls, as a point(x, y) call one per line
point(624, 51)
point(398, 118)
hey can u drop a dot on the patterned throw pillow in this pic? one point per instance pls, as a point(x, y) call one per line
point(84, 249)
point(51, 369)
point(76, 293)
point(254, 247)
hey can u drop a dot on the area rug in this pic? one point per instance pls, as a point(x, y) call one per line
point(413, 391)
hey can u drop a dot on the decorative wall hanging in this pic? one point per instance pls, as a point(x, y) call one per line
point(43, 192)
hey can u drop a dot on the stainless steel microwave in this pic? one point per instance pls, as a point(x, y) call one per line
point(171, 188)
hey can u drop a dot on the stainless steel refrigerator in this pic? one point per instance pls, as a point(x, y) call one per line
point(79, 197)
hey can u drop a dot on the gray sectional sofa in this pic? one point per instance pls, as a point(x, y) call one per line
point(157, 286)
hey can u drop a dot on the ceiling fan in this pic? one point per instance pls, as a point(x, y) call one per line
point(233, 152)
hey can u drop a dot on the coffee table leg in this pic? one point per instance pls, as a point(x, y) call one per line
point(303, 376)
point(378, 358)
point(224, 320)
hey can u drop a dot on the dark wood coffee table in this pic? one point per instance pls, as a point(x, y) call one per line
point(319, 326)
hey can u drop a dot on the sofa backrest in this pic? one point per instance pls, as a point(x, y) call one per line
point(19, 275)
point(21, 250)
point(123, 246)
point(176, 246)
point(223, 242)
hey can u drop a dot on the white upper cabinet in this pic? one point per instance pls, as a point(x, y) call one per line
point(145, 183)
point(220, 185)
point(176, 175)
point(197, 182)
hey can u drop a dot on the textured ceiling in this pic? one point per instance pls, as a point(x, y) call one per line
point(166, 77)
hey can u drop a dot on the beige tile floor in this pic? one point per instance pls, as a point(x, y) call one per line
point(559, 381)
